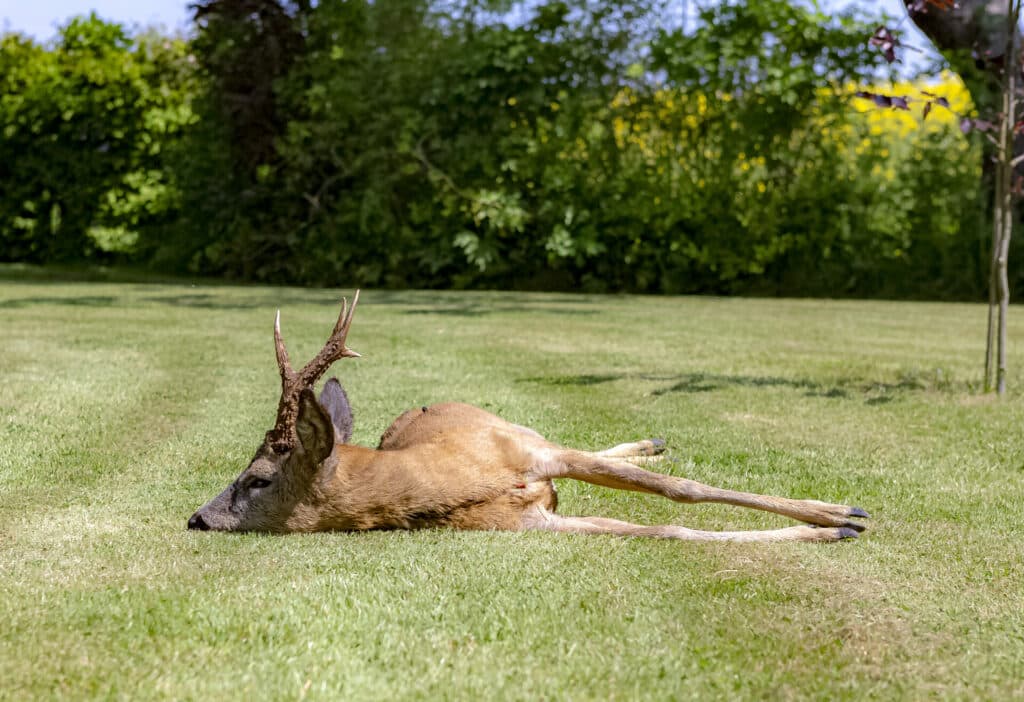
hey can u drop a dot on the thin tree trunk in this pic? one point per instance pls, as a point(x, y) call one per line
point(965, 32)
point(993, 277)
point(1005, 192)
point(1004, 303)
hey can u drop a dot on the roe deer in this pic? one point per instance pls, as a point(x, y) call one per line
point(453, 465)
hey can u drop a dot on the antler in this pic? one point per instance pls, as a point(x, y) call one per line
point(282, 437)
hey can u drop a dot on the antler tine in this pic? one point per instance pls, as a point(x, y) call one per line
point(345, 318)
point(340, 324)
point(283, 364)
point(335, 347)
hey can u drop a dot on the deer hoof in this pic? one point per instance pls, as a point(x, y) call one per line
point(656, 446)
point(197, 522)
point(858, 512)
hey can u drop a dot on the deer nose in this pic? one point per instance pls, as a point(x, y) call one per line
point(196, 522)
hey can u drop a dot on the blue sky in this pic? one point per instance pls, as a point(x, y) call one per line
point(39, 18)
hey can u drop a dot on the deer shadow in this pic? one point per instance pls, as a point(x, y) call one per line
point(878, 393)
point(83, 301)
point(442, 303)
point(483, 310)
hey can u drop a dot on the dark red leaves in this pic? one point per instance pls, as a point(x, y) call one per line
point(886, 41)
point(900, 102)
point(896, 102)
point(982, 125)
point(918, 6)
point(937, 99)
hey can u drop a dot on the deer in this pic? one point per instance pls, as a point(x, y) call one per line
point(457, 466)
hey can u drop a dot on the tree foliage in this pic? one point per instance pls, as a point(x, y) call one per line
point(572, 144)
point(84, 123)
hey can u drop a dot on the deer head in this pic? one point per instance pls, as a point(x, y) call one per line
point(280, 481)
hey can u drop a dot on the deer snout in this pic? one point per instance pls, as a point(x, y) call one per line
point(196, 522)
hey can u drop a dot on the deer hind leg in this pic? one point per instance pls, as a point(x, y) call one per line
point(639, 453)
point(619, 474)
point(544, 520)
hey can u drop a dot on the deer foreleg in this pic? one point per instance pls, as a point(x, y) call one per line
point(619, 474)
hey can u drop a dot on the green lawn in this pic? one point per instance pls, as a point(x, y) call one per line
point(126, 406)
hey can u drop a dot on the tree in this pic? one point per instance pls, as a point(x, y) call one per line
point(981, 39)
point(770, 78)
point(83, 123)
point(233, 218)
point(561, 144)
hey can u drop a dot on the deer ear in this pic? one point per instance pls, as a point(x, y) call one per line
point(314, 428)
point(335, 401)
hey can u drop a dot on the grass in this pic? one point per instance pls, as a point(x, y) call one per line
point(125, 406)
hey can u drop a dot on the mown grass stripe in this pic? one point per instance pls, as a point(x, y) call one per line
point(126, 406)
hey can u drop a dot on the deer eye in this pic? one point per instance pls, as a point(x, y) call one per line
point(258, 483)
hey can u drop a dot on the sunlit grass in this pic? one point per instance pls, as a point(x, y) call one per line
point(125, 406)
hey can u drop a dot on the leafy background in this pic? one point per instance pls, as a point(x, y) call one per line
point(554, 145)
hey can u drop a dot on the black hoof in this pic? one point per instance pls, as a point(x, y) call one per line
point(847, 533)
point(855, 526)
point(657, 446)
point(197, 522)
point(858, 512)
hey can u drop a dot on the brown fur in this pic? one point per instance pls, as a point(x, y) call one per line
point(458, 466)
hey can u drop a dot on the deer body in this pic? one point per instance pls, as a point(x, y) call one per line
point(454, 465)
point(425, 474)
